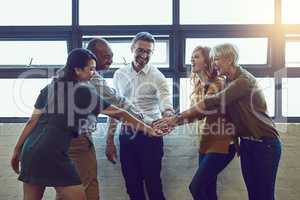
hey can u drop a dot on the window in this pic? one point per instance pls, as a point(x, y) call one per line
point(35, 12)
point(267, 86)
point(251, 50)
point(227, 12)
point(20, 96)
point(185, 92)
point(292, 49)
point(290, 97)
point(116, 12)
point(290, 11)
point(39, 34)
point(122, 52)
point(25, 53)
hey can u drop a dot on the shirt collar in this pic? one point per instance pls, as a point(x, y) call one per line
point(100, 73)
point(145, 70)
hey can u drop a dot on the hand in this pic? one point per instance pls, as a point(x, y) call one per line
point(15, 161)
point(111, 151)
point(168, 113)
point(153, 132)
point(162, 131)
point(161, 128)
point(166, 124)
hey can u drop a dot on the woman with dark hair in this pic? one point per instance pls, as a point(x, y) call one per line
point(216, 143)
point(64, 109)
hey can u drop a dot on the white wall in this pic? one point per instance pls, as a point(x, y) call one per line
point(179, 164)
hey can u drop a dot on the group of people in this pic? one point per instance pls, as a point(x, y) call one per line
point(56, 149)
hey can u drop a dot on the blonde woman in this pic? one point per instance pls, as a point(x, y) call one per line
point(216, 142)
point(260, 148)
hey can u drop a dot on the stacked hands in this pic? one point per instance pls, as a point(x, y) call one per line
point(163, 126)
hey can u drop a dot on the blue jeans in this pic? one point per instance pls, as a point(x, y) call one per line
point(204, 183)
point(259, 163)
point(141, 158)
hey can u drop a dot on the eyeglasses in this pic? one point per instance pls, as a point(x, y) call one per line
point(142, 51)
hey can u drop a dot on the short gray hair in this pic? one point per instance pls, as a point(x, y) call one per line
point(226, 50)
point(144, 36)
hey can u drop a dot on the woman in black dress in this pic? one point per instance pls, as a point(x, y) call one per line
point(64, 109)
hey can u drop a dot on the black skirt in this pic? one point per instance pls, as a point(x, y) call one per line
point(45, 160)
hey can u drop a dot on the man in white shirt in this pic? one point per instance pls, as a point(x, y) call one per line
point(146, 87)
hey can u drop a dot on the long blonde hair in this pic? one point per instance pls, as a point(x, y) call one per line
point(198, 85)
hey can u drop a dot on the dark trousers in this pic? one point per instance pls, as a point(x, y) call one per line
point(259, 163)
point(141, 158)
point(204, 182)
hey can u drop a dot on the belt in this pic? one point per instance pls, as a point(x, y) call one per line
point(252, 139)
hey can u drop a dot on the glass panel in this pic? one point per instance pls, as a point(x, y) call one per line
point(268, 88)
point(267, 85)
point(290, 11)
point(122, 53)
point(33, 52)
point(20, 96)
point(227, 12)
point(115, 12)
point(251, 50)
point(35, 12)
point(185, 92)
point(292, 57)
point(290, 98)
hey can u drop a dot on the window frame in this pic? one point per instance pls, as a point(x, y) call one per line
point(177, 33)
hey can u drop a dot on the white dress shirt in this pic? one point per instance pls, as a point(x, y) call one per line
point(147, 89)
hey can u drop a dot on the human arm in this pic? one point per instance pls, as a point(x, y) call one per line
point(112, 96)
point(110, 149)
point(232, 92)
point(128, 119)
point(200, 110)
point(29, 126)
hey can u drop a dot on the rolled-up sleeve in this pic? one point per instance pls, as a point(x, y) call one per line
point(232, 92)
point(111, 95)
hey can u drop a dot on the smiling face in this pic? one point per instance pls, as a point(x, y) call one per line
point(198, 61)
point(104, 56)
point(142, 52)
point(222, 64)
point(86, 73)
point(225, 58)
